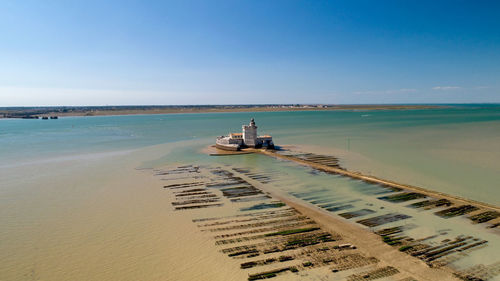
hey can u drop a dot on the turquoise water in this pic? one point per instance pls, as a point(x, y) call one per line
point(76, 134)
point(62, 178)
point(453, 150)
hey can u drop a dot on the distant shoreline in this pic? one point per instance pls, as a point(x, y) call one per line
point(38, 112)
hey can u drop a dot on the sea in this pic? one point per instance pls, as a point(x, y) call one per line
point(70, 209)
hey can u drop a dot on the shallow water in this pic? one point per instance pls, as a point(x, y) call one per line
point(67, 192)
point(453, 150)
point(339, 195)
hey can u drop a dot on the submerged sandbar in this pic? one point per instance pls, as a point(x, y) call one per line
point(270, 235)
point(329, 164)
point(434, 254)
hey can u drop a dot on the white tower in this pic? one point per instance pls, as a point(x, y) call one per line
point(250, 134)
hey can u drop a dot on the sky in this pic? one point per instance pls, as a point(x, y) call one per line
point(248, 52)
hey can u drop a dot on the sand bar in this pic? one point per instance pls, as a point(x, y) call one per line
point(249, 251)
point(373, 179)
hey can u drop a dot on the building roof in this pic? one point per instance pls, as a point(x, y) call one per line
point(236, 134)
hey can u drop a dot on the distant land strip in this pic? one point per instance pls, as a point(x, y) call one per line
point(61, 111)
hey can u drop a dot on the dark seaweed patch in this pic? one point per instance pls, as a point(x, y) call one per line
point(358, 213)
point(402, 197)
point(379, 220)
point(456, 211)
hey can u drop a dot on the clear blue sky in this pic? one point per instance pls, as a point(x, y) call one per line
point(258, 51)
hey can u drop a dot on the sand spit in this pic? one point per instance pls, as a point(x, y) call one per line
point(434, 255)
point(481, 212)
point(373, 245)
point(429, 249)
point(270, 235)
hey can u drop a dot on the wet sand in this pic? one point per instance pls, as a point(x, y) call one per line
point(100, 219)
point(355, 175)
point(372, 241)
point(367, 241)
point(372, 244)
point(369, 244)
point(109, 218)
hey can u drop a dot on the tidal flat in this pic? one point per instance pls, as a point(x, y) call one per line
point(134, 197)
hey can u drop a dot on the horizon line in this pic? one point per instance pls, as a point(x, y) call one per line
point(248, 104)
